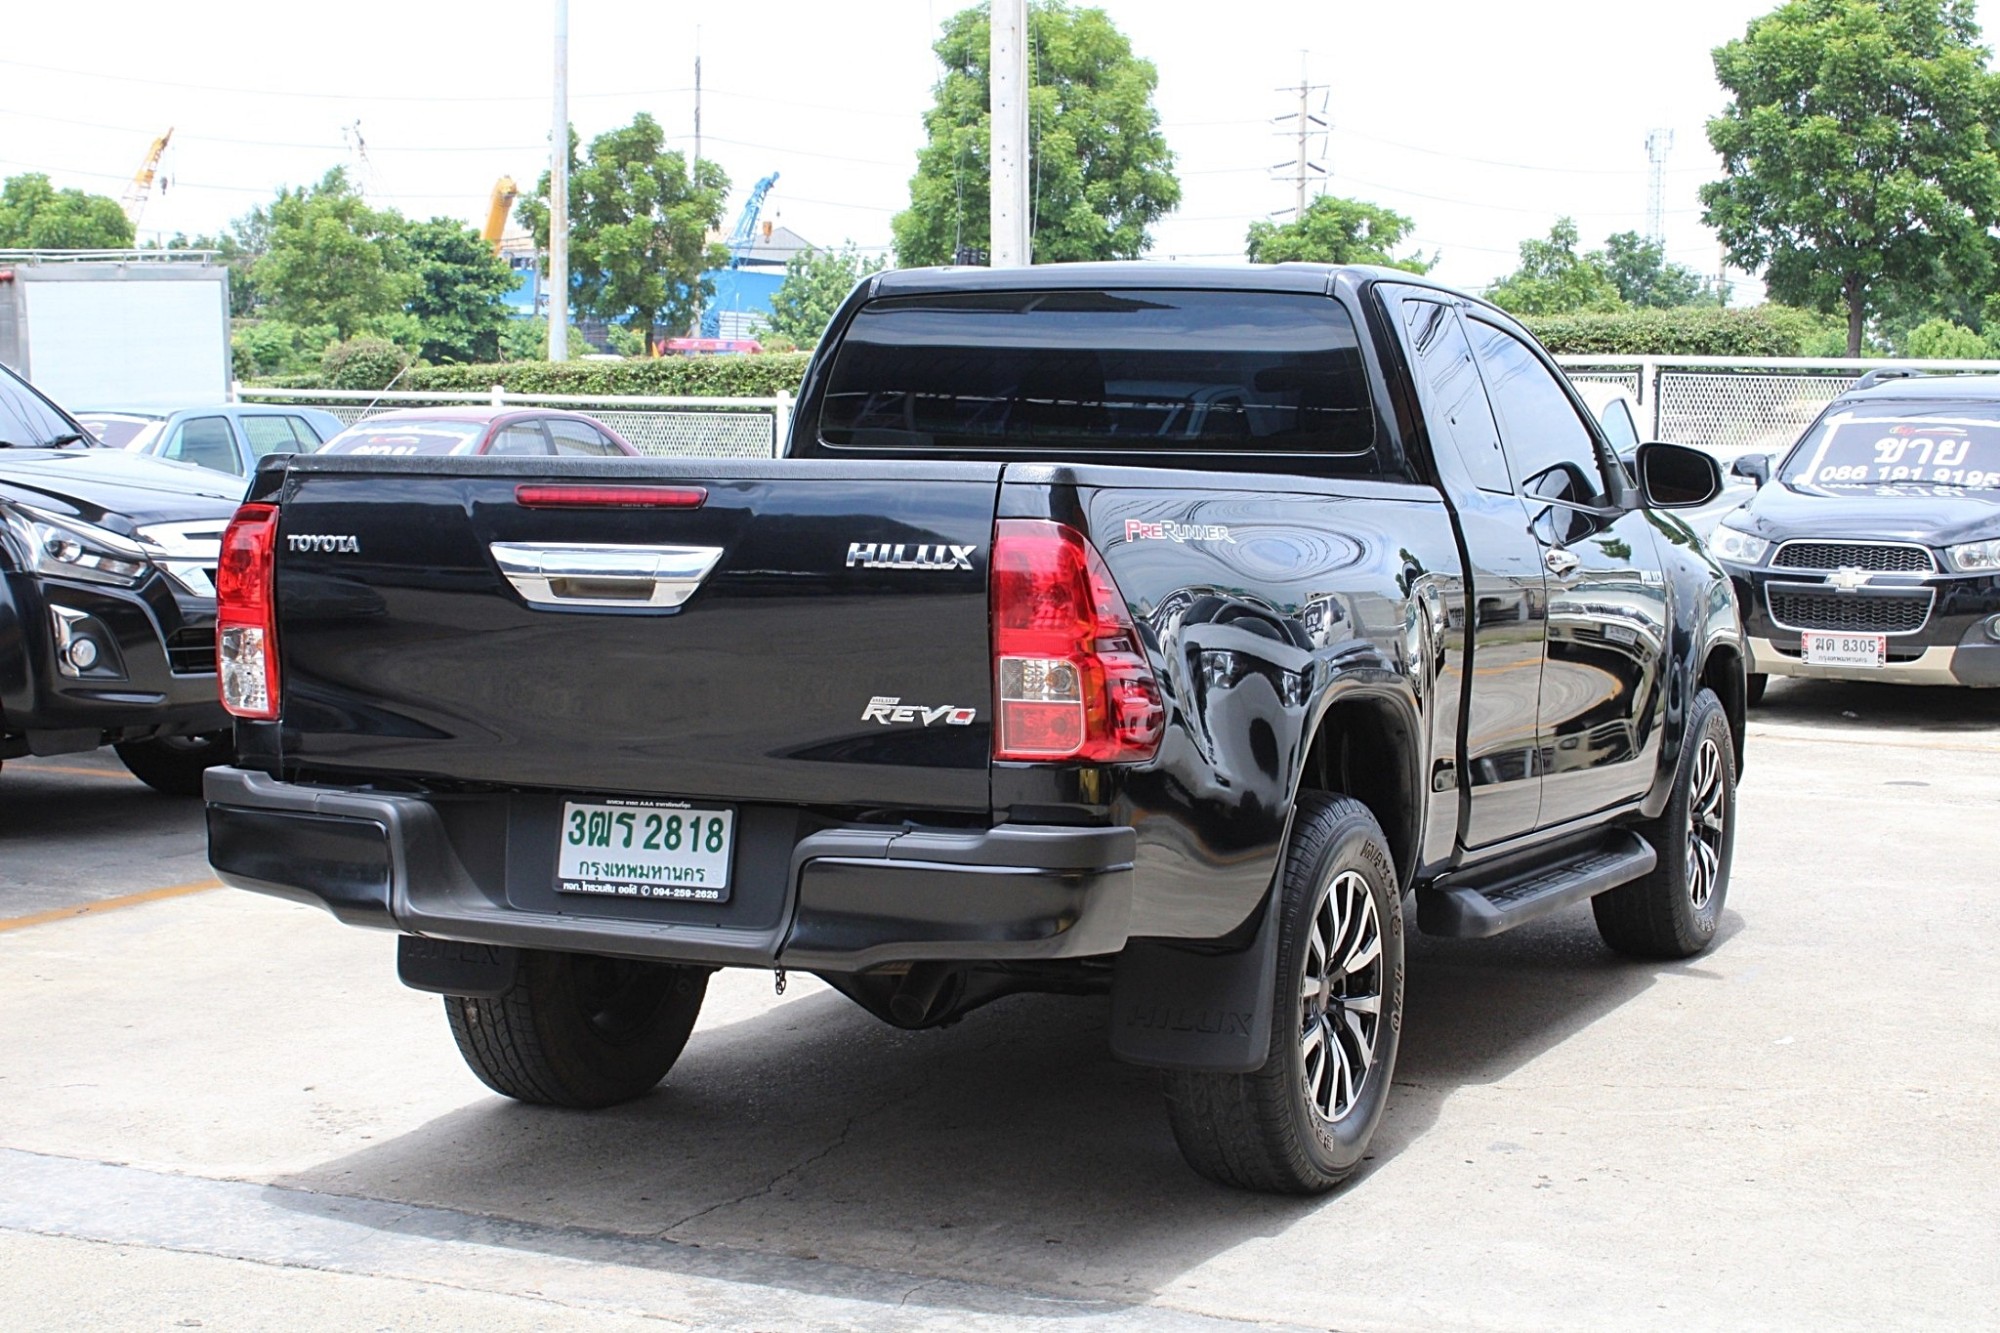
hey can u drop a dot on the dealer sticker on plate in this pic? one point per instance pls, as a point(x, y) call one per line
point(1844, 650)
point(645, 849)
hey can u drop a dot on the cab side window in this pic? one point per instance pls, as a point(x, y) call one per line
point(523, 437)
point(270, 435)
point(1464, 419)
point(578, 437)
point(1547, 442)
point(206, 442)
point(1619, 427)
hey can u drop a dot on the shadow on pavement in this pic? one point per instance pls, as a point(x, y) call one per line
point(1008, 1150)
point(1879, 710)
point(79, 827)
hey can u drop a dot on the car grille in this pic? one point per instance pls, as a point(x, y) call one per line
point(1845, 611)
point(191, 652)
point(1875, 557)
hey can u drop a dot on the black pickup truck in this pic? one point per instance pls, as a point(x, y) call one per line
point(107, 597)
point(1125, 629)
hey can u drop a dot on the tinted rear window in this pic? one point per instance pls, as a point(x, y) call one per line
point(402, 439)
point(1079, 371)
point(1891, 448)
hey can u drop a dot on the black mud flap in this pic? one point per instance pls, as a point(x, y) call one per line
point(1175, 1008)
point(453, 967)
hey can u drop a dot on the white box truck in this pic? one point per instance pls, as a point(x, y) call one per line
point(117, 328)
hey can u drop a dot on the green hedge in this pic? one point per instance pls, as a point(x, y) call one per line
point(755, 376)
point(1765, 330)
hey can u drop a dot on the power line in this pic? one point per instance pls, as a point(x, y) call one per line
point(185, 135)
point(345, 96)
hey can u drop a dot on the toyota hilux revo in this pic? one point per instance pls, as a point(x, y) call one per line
point(1125, 628)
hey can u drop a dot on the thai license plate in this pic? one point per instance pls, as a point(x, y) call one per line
point(1845, 650)
point(645, 849)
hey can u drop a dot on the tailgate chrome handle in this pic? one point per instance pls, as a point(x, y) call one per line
point(603, 574)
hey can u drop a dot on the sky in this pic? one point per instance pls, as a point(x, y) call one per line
point(1482, 122)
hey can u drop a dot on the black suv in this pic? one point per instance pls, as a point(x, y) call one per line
point(1872, 551)
point(107, 597)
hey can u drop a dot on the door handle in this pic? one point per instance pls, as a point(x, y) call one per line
point(1560, 562)
point(601, 574)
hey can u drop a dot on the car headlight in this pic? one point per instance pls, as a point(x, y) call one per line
point(1975, 557)
point(1736, 545)
point(69, 548)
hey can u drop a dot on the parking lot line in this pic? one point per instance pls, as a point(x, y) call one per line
point(107, 904)
point(115, 775)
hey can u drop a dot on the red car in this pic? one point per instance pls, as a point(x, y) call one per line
point(534, 432)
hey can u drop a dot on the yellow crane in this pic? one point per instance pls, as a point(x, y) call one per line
point(141, 188)
point(504, 194)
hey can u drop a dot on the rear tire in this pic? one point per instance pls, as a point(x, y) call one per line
point(578, 1030)
point(1754, 685)
point(1300, 1123)
point(174, 764)
point(1673, 912)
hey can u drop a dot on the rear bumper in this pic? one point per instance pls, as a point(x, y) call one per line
point(852, 897)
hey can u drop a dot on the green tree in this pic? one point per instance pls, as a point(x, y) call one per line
point(1643, 276)
point(639, 227)
point(1100, 172)
point(460, 283)
point(816, 282)
point(1554, 279)
point(1942, 340)
point(331, 259)
point(34, 215)
point(1337, 231)
point(1859, 151)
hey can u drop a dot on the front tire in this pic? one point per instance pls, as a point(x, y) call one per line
point(578, 1030)
point(1300, 1123)
point(1673, 912)
point(174, 764)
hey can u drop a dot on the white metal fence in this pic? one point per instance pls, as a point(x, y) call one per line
point(1725, 404)
point(664, 426)
point(1734, 404)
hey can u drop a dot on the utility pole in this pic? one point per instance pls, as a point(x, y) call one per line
point(697, 104)
point(559, 196)
point(1658, 144)
point(1008, 92)
point(1305, 169)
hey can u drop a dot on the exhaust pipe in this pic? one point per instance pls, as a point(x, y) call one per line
point(917, 996)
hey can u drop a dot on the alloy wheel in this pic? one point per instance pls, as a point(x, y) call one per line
point(1707, 819)
point(1340, 996)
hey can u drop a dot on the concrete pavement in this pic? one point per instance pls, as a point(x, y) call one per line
point(223, 1108)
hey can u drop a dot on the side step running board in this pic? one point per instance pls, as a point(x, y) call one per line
point(1473, 912)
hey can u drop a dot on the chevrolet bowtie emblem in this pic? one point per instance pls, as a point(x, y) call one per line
point(1848, 579)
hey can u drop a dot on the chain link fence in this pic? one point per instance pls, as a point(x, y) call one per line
point(1726, 405)
point(1735, 406)
point(661, 427)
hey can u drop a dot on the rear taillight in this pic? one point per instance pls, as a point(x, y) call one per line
point(246, 640)
point(1070, 677)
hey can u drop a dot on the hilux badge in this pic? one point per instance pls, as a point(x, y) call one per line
point(902, 555)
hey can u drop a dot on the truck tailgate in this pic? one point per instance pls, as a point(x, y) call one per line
point(832, 646)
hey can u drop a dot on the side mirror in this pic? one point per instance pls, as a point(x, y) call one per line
point(1754, 468)
point(1673, 476)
